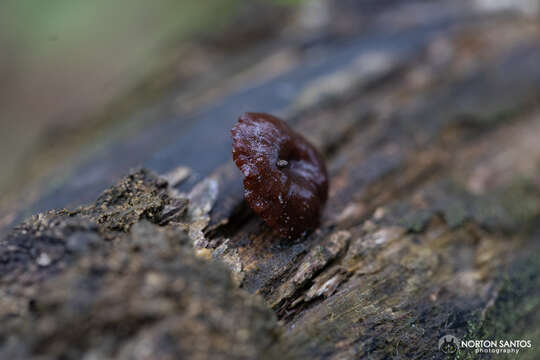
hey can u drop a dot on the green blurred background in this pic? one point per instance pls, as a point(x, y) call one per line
point(71, 69)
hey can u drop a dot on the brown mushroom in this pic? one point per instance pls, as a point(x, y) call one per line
point(285, 179)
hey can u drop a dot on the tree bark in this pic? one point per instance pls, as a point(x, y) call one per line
point(431, 227)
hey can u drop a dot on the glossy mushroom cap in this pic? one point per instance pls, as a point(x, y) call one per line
point(285, 179)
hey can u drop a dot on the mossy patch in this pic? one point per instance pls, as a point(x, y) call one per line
point(515, 313)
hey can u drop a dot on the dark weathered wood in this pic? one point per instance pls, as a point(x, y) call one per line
point(431, 138)
point(434, 193)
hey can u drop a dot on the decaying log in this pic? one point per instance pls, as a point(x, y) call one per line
point(431, 226)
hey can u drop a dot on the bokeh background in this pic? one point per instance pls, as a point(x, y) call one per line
point(70, 71)
point(77, 75)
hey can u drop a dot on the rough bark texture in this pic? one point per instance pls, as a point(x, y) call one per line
point(431, 228)
point(104, 282)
